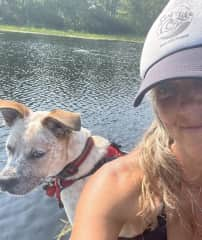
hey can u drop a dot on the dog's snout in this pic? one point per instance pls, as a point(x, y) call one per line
point(7, 182)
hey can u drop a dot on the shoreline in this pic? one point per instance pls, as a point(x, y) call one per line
point(70, 34)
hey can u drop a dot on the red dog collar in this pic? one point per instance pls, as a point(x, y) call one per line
point(55, 187)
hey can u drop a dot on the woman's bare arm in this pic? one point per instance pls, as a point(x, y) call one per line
point(105, 203)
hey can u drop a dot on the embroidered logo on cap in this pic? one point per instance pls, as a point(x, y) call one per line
point(175, 22)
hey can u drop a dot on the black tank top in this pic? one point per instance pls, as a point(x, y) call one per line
point(159, 233)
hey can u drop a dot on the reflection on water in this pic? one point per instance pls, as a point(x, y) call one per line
point(99, 79)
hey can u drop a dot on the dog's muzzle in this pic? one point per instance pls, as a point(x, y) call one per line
point(8, 183)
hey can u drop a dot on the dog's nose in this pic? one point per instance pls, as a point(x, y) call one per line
point(7, 182)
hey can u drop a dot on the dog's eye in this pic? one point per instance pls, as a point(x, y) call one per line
point(10, 149)
point(37, 154)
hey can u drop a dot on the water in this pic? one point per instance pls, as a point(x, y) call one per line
point(99, 79)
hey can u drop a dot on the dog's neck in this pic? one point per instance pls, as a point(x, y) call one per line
point(77, 143)
point(76, 146)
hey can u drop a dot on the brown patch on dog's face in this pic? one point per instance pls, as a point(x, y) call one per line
point(12, 110)
point(60, 122)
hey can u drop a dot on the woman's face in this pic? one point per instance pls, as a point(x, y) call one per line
point(179, 107)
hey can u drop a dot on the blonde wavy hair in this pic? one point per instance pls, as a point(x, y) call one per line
point(163, 178)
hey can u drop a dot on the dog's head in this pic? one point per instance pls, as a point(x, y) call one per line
point(36, 146)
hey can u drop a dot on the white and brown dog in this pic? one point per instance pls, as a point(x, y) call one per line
point(50, 147)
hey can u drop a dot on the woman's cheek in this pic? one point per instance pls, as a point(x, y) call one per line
point(168, 116)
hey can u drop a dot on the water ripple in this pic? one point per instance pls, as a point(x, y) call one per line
point(99, 79)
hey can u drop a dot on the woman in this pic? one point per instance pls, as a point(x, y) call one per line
point(155, 192)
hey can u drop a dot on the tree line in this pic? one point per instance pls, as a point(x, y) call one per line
point(93, 16)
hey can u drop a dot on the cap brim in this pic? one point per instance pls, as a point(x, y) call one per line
point(183, 64)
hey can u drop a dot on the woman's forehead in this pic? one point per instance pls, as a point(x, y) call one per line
point(179, 81)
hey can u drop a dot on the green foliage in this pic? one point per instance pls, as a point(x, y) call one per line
point(73, 13)
point(65, 231)
point(98, 21)
point(97, 16)
point(143, 13)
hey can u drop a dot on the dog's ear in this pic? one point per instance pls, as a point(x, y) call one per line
point(12, 110)
point(59, 122)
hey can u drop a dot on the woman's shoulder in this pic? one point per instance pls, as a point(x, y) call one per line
point(108, 200)
point(116, 185)
point(121, 172)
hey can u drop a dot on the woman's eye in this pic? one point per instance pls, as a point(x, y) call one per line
point(165, 91)
point(37, 154)
point(197, 84)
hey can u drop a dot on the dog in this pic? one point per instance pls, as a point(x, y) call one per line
point(50, 148)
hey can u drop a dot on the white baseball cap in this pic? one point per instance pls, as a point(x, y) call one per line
point(173, 46)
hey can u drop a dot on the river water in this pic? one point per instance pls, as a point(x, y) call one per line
point(99, 79)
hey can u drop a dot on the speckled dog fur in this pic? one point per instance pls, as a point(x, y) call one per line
point(40, 145)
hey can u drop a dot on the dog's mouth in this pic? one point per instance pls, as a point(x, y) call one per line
point(18, 185)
